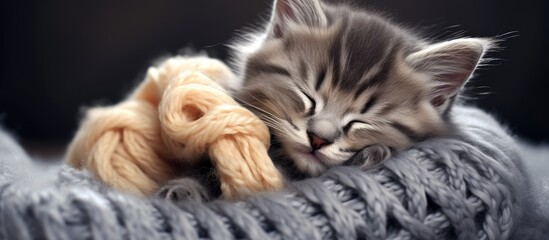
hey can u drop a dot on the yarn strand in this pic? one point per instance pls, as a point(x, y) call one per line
point(179, 114)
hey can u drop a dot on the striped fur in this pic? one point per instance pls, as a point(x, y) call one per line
point(351, 78)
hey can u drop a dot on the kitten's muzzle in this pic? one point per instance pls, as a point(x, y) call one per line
point(321, 132)
point(316, 141)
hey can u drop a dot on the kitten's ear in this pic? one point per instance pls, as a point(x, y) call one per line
point(449, 64)
point(302, 12)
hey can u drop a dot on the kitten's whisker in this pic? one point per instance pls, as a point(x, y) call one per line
point(277, 125)
point(267, 116)
point(287, 118)
point(271, 122)
point(266, 105)
point(275, 129)
point(255, 107)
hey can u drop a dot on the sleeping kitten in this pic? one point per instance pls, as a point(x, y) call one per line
point(342, 86)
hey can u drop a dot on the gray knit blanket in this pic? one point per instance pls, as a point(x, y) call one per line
point(469, 186)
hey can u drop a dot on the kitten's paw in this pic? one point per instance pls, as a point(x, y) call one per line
point(184, 189)
point(371, 156)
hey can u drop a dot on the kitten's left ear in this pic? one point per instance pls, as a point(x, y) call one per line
point(449, 64)
point(304, 12)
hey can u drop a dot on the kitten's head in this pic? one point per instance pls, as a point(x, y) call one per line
point(331, 81)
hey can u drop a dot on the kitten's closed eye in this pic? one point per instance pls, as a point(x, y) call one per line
point(371, 101)
point(320, 79)
point(309, 103)
point(312, 108)
point(351, 124)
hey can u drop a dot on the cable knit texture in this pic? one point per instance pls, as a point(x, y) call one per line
point(180, 113)
point(468, 186)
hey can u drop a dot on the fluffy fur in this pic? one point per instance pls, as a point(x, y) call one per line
point(338, 85)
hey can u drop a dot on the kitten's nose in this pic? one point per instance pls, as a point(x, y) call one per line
point(316, 141)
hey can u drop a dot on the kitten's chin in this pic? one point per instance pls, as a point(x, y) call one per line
point(308, 163)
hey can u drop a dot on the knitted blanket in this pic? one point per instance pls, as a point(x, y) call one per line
point(469, 186)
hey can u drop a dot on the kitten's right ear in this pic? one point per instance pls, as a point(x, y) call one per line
point(450, 64)
point(301, 12)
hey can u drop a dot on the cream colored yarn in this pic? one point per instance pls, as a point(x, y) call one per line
point(180, 113)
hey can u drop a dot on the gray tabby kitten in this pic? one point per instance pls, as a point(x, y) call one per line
point(342, 86)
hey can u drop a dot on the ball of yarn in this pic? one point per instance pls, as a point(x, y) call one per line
point(122, 146)
point(198, 117)
point(181, 113)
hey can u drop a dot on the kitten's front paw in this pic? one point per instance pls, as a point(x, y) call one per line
point(184, 189)
point(370, 157)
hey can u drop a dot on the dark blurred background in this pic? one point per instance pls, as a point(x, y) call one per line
point(59, 55)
